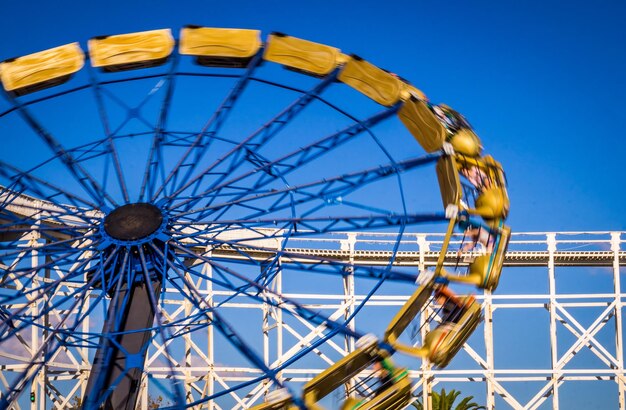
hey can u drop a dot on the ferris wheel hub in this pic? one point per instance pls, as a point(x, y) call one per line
point(133, 222)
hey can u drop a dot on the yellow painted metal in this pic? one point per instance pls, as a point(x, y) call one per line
point(280, 401)
point(449, 181)
point(409, 91)
point(374, 82)
point(466, 142)
point(131, 51)
point(403, 319)
point(423, 124)
point(444, 247)
point(301, 55)
point(487, 164)
point(496, 261)
point(446, 340)
point(351, 403)
point(396, 397)
point(484, 271)
point(41, 70)
point(221, 47)
point(339, 373)
point(443, 342)
point(492, 204)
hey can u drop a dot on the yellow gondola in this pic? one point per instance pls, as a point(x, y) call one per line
point(37, 71)
point(302, 55)
point(446, 339)
point(484, 271)
point(396, 396)
point(442, 343)
point(432, 126)
point(460, 133)
point(131, 51)
point(423, 124)
point(220, 47)
point(492, 202)
point(376, 83)
point(487, 176)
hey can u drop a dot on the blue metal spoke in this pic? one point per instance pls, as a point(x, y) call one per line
point(51, 263)
point(15, 229)
point(317, 264)
point(48, 351)
point(220, 324)
point(309, 226)
point(15, 248)
point(180, 396)
point(227, 284)
point(271, 170)
point(256, 140)
point(96, 87)
point(79, 173)
point(302, 311)
point(307, 262)
point(48, 287)
point(155, 156)
point(132, 112)
point(30, 182)
point(36, 215)
point(205, 137)
point(28, 321)
point(229, 333)
point(380, 281)
point(328, 189)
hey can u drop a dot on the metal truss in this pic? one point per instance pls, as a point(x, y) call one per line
point(202, 368)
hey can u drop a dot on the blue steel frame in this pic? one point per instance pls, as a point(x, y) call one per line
point(196, 205)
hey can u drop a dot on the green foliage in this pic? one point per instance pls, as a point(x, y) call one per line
point(445, 401)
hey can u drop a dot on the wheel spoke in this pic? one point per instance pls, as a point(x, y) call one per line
point(96, 87)
point(205, 137)
point(237, 156)
point(327, 189)
point(155, 157)
point(88, 183)
point(219, 216)
point(268, 171)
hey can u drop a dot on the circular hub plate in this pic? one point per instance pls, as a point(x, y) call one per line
point(133, 221)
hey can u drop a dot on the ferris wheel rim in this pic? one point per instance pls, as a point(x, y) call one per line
point(120, 245)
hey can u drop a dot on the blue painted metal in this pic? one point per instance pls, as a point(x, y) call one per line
point(327, 189)
point(178, 390)
point(205, 137)
point(302, 311)
point(254, 141)
point(268, 171)
point(79, 173)
point(96, 87)
point(155, 158)
point(48, 349)
point(151, 260)
point(27, 181)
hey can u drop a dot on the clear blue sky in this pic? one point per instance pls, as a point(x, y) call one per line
point(543, 83)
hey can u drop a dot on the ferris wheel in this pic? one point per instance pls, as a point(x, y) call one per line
point(149, 182)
